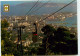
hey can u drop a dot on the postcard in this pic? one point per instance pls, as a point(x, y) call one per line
point(39, 28)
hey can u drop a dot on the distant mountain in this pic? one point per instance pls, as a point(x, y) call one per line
point(48, 4)
point(22, 9)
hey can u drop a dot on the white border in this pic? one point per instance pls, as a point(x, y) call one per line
point(0, 27)
point(78, 21)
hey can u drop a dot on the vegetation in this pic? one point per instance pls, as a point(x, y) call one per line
point(55, 42)
point(7, 46)
point(58, 41)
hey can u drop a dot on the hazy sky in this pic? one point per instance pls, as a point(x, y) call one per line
point(19, 2)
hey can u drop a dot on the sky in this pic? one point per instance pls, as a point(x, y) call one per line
point(19, 2)
point(14, 3)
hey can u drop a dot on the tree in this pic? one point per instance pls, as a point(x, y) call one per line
point(2, 45)
point(58, 41)
point(7, 46)
point(4, 23)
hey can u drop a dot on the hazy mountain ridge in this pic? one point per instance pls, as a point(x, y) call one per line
point(48, 4)
point(22, 9)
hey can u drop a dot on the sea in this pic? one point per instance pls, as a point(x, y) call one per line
point(69, 22)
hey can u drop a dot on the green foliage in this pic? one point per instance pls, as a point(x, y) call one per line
point(2, 45)
point(7, 55)
point(4, 23)
point(48, 30)
point(24, 36)
point(32, 50)
point(58, 41)
point(7, 46)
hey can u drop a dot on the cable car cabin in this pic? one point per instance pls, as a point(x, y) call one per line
point(34, 37)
